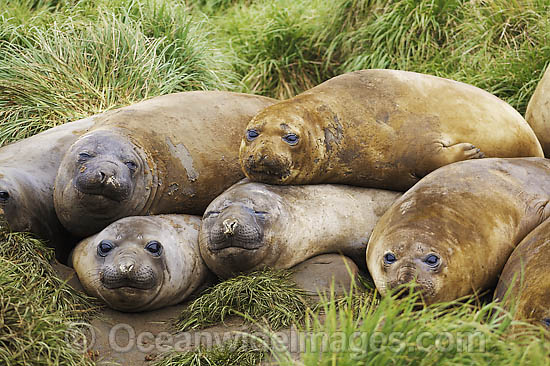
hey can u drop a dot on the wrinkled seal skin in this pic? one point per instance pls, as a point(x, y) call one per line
point(27, 174)
point(538, 112)
point(469, 215)
point(129, 277)
point(253, 225)
point(526, 272)
point(170, 154)
point(380, 128)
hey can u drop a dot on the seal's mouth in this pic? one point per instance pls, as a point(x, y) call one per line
point(242, 233)
point(139, 279)
point(267, 170)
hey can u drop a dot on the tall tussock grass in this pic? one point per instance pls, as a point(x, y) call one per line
point(399, 332)
point(79, 67)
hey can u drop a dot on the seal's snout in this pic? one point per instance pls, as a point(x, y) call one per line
point(104, 178)
point(267, 166)
point(406, 275)
point(230, 225)
point(237, 228)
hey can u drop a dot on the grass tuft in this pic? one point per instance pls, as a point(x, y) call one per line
point(232, 353)
point(269, 295)
point(38, 311)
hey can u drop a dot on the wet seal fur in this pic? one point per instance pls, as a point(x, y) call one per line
point(538, 112)
point(382, 129)
point(170, 154)
point(253, 225)
point(455, 229)
point(143, 262)
point(525, 276)
point(27, 174)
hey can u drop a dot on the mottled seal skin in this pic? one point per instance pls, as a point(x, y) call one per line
point(538, 112)
point(170, 154)
point(27, 174)
point(454, 230)
point(380, 128)
point(253, 225)
point(525, 276)
point(143, 262)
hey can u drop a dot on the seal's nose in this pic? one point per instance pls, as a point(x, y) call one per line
point(126, 265)
point(405, 275)
point(229, 226)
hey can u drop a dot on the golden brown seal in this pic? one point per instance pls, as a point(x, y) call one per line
point(538, 112)
point(525, 275)
point(455, 229)
point(170, 154)
point(382, 129)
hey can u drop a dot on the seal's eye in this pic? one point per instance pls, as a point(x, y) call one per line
point(4, 196)
point(546, 322)
point(432, 260)
point(131, 165)
point(291, 139)
point(252, 134)
point(104, 247)
point(260, 214)
point(212, 214)
point(83, 156)
point(154, 247)
point(389, 258)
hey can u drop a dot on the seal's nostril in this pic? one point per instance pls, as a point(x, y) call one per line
point(229, 226)
point(102, 177)
point(126, 267)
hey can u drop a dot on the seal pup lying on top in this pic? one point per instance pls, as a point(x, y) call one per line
point(455, 229)
point(525, 275)
point(382, 129)
point(170, 154)
point(143, 262)
point(27, 174)
point(253, 225)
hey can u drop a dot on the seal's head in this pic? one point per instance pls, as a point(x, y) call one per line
point(282, 145)
point(139, 263)
point(236, 233)
point(395, 261)
point(103, 176)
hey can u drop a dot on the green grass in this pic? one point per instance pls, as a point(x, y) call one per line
point(232, 353)
point(38, 311)
point(263, 296)
point(398, 332)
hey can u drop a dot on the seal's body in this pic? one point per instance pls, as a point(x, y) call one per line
point(538, 112)
point(454, 230)
point(143, 262)
point(170, 154)
point(253, 225)
point(27, 174)
point(525, 276)
point(382, 129)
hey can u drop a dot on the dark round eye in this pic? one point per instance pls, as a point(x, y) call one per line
point(252, 134)
point(84, 156)
point(4, 196)
point(389, 258)
point(432, 260)
point(291, 139)
point(131, 165)
point(104, 247)
point(546, 322)
point(154, 247)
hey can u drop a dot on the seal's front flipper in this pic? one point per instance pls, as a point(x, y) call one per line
point(446, 153)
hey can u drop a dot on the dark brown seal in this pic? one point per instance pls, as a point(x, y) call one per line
point(381, 129)
point(170, 154)
point(455, 229)
point(524, 279)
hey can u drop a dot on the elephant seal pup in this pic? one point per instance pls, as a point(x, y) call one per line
point(253, 225)
point(454, 230)
point(143, 262)
point(170, 154)
point(27, 174)
point(526, 272)
point(382, 129)
point(538, 112)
